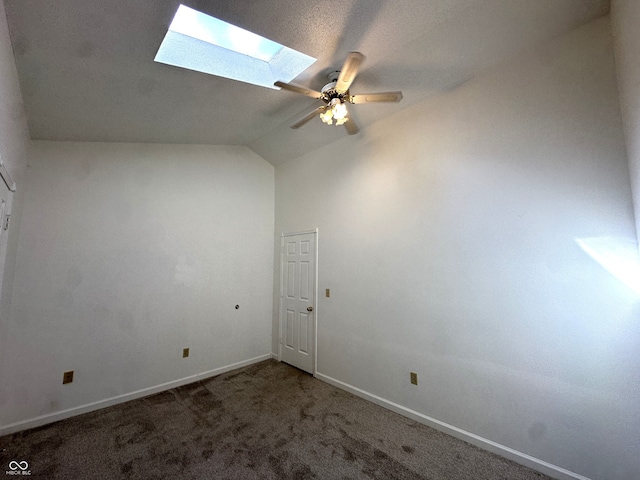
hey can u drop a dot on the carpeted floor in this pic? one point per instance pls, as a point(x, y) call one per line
point(265, 421)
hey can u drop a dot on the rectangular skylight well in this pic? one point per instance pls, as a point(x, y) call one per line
point(207, 44)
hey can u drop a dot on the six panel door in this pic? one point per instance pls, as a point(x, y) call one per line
point(298, 295)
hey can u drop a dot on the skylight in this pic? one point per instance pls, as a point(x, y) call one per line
point(206, 44)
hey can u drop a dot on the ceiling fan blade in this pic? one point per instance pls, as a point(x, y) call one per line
point(349, 71)
point(313, 113)
point(377, 97)
point(351, 126)
point(298, 89)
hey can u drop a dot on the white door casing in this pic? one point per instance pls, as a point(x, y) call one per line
point(297, 336)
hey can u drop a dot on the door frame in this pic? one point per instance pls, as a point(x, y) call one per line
point(314, 232)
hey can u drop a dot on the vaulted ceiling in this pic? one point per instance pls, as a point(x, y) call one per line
point(87, 73)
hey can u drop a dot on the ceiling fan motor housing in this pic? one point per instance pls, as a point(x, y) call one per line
point(329, 90)
point(333, 75)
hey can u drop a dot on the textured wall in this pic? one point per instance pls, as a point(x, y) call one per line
point(448, 236)
point(128, 254)
point(13, 124)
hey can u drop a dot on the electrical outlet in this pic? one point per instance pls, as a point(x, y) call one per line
point(67, 377)
point(414, 378)
point(185, 352)
point(328, 292)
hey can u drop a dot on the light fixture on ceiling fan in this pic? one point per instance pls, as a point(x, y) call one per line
point(336, 96)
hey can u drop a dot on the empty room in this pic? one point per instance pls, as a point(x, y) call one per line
point(331, 239)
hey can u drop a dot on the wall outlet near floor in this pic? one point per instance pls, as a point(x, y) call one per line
point(67, 377)
point(185, 352)
point(414, 378)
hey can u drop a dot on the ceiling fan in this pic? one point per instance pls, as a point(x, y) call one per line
point(336, 95)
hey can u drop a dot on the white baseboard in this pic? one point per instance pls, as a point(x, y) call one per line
point(89, 407)
point(522, 458)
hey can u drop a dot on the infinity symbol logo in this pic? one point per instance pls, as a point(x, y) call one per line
point(13, 465)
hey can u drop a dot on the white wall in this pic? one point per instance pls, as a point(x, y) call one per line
point(625, 15)
point(447, 235)
point(128, 254)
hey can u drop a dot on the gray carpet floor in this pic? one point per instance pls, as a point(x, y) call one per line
point(265, 421)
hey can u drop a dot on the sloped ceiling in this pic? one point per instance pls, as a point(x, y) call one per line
point(87, 73)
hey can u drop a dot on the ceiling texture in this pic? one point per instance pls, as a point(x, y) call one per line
point(87, 73)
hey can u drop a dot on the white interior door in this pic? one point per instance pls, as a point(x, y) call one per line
point(6, 197)
point(298, 294)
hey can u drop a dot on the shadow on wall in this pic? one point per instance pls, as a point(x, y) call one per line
point(619, 256)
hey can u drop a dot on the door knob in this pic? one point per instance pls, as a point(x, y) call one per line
point(309, 309)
